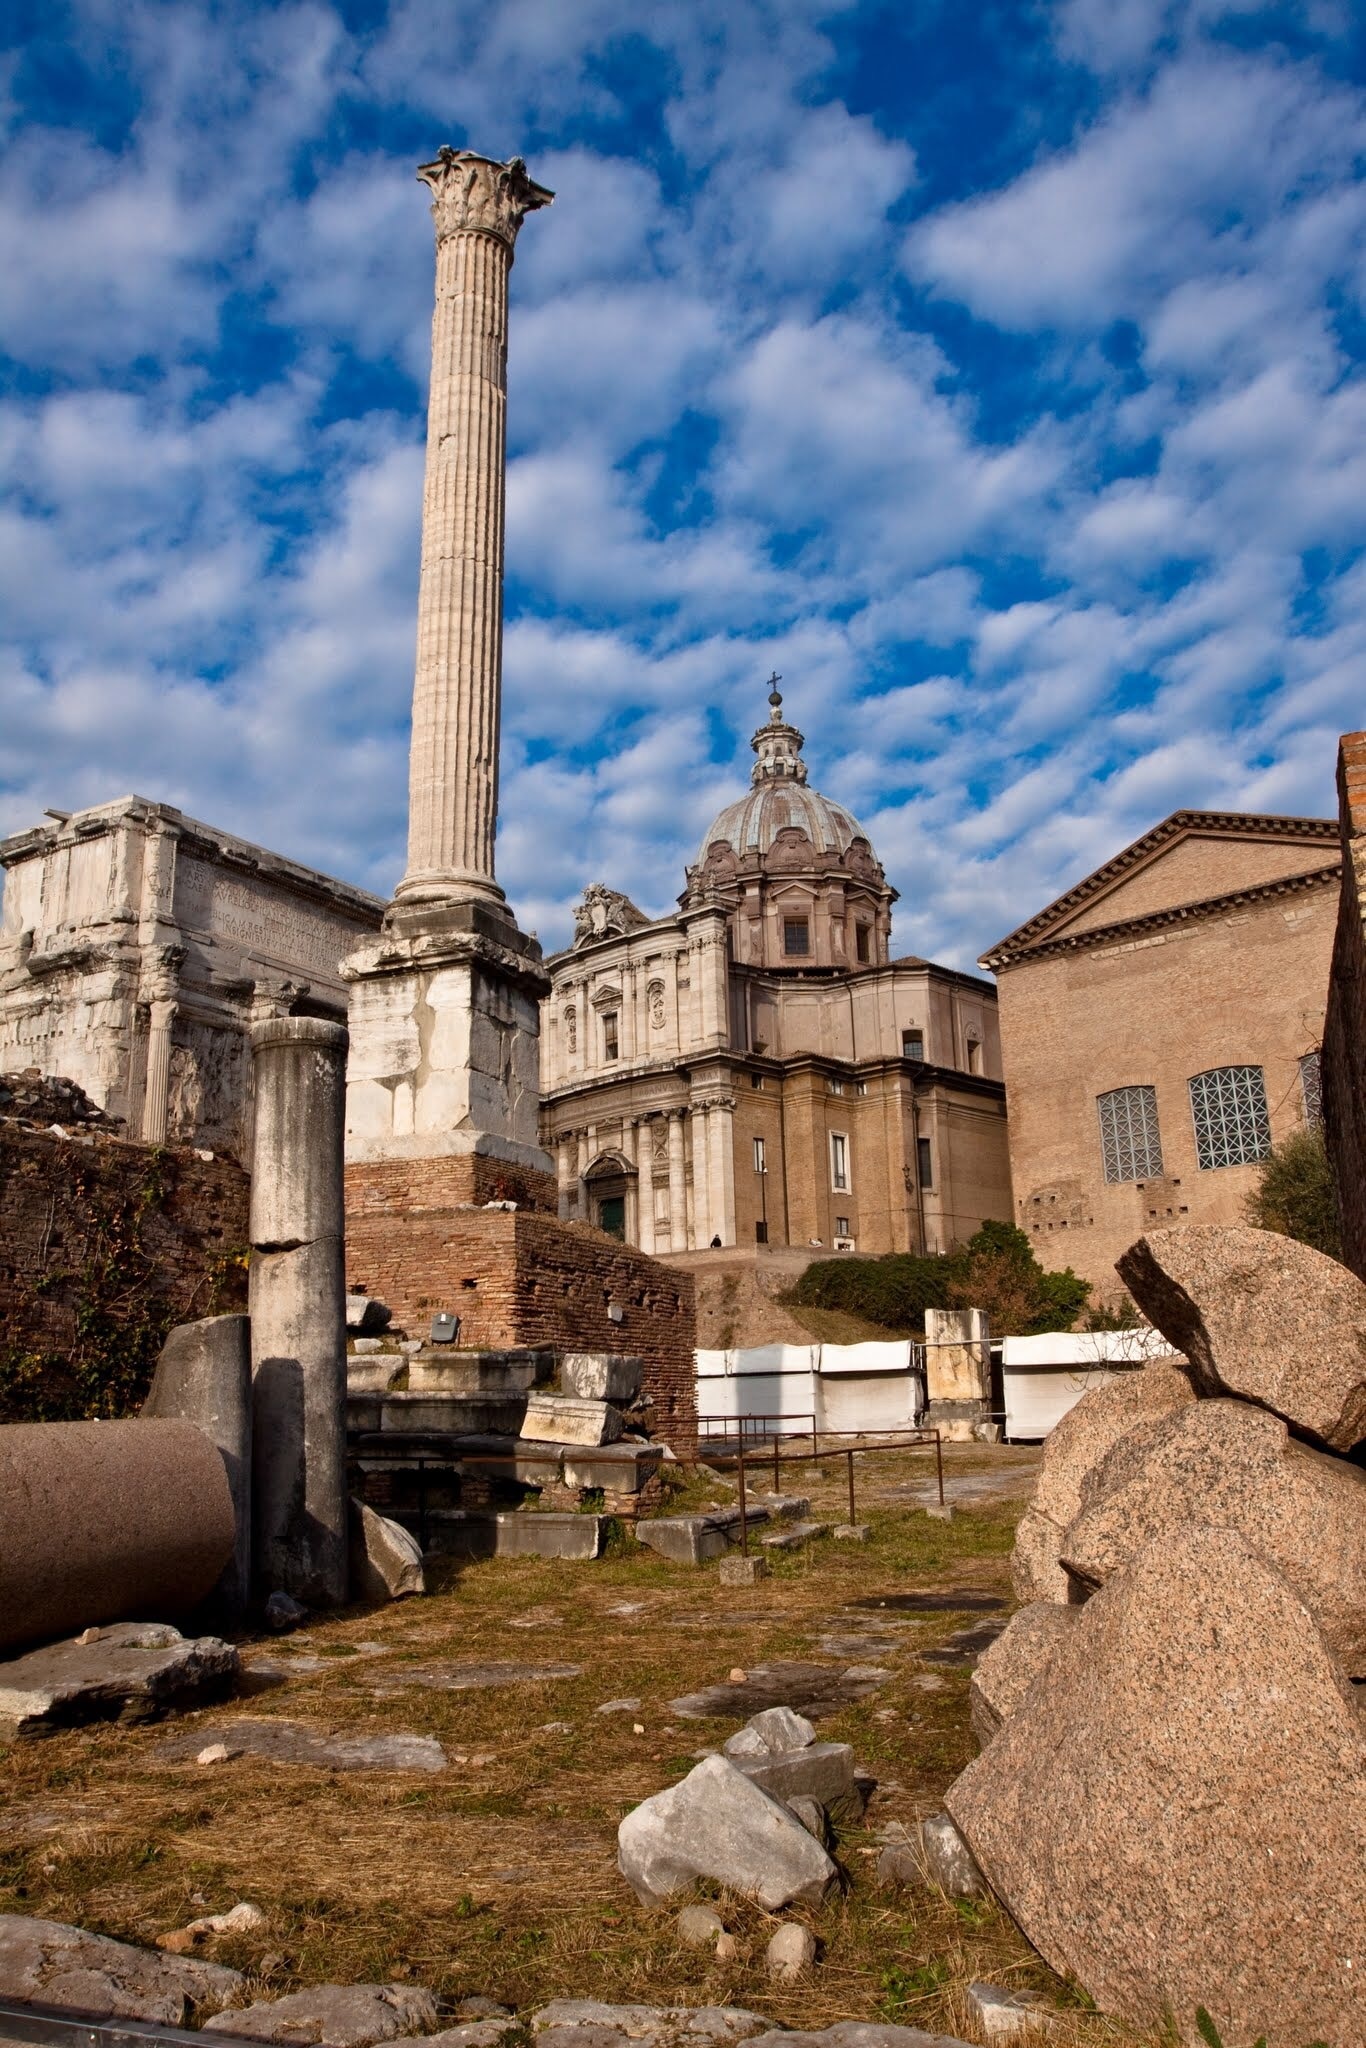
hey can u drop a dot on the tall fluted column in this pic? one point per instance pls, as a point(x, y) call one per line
point(478, 207)
point(678, 1186)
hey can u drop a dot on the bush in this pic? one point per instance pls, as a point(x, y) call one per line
point(1295, 1193)
point(995, 1270)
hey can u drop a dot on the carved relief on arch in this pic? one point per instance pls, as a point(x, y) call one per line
point(860, 860)
point(720, 864)
point(654, 996)
point(571, 1028)
point(608, 998)
point(610, 1165)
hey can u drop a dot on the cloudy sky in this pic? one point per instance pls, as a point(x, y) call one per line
point(992, 370)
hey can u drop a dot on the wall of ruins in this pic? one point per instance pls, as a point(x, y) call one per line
point(516, 1277)
point(1344, 1037)
point(104, 1245)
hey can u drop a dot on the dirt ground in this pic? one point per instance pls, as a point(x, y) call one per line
point(497, 1876)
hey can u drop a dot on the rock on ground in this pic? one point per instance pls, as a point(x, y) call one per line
point(792, 1950)
point(699, 1925)
point(1009, 1667)
point(43, 1962)
point(574, 2023)
point(931, 1854)
point(1263, 1317)
point(1179, 1817)
point(1083, 1437)
point(1005, 2015)
point(342, 2015)
point(130, 1671)
point(823, 1771)
point(1230, 1465)
point(770, 1733)
point(716, 1824)
point(386, 1562)
point(296, 1742)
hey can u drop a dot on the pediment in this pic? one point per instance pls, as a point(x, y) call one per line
point(1192, 859)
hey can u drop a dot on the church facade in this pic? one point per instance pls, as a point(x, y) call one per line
point(756, 1067)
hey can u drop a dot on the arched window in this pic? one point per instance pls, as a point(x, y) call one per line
point(1232, 1126)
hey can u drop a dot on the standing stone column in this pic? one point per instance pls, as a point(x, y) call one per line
point(700, 1130)
point(478, 207)
point(444, 1011)
point(161, 1009)
point(678, 1185)
point(645, 1184)
point(298, 1311)
point(565, 1175)
point(721, 1174)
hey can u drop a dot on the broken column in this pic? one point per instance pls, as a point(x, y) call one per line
point(444, 1010)
point(957, 1373)
point(103, 1521)
point(203, 1375)
point(298, 1311)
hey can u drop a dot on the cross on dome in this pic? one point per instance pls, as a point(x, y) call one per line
point(778, 744)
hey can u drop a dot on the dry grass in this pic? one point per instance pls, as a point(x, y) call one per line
point(499, 1877)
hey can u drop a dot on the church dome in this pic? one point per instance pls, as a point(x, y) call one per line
point(781, 800)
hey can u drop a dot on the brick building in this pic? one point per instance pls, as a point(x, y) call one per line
point(756, 1068)
point(1161, 1025)
point(1344, 1038)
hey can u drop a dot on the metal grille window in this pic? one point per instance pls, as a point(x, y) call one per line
point(1228, 1105)
point(1311, 1088)
point(1130, 1142)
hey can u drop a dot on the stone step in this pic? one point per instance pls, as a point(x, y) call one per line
point(568, 1419)
point(437, 1369)
point(474, 1532)
point(414, 1413)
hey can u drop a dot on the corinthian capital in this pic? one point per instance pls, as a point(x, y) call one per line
point(474, 195)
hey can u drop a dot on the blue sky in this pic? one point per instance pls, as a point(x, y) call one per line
point(993, 371)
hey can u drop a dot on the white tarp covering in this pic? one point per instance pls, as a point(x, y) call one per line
point(1045, 1376)
point(864, 1387)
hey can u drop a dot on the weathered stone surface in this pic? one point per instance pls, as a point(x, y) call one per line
point(771, 1733)
point(858, 2034)
point(795, 1536)
point(792, 1950)
point(717, 1824)
point(203, 1375)
point(340, 2015)
point(823, 1771)
point(683, 1539)
point(100, 1521)
point(812, 1816)
point(43, 1962)
point(742, 1571)
point(1083, 1437)
point(129, 1672)
point(1228, 1464)
point(565, 1419)
point(1008, 1667)
point(386, 1562)
point(211, 1927)
point(1179, 1817)
point(601, 1375)
point(447, 1675)
point(1263, 1317)
point(699, 1926)
point(295, 1742)
point(964, 1646)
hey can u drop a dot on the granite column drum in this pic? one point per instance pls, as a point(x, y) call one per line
point(107, 1521)
point(298, 1311)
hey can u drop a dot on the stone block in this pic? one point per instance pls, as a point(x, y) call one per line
point(46, 1963)
point(1263, 1317)
point(342, 2015)
point(715, 1823)
point(365, 1315)
point(931, 1854)
point(1085, 1436)
point(363, 1347)
point(736, 1570)
point(823, 1771)
point(795, 1536)
point(547, 1535)
point(683, 1539)
point(852, 1532)
point(1009, 1666)
point(129, 1672)
point(617, 1468)
point(1178, 1818)
point(386, 1562)
point(1228, 1464)
point(771, 1732)
point(565, 1419)
point(601, 1376)
point(100, 1521)
point(1007, 2015)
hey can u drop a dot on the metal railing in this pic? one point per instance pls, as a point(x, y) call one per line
point(825, 1443)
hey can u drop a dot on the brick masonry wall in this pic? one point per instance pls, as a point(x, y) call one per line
point(1344, 1036)
point(521, 1277)
point(390, 1186)
point(104, 1246)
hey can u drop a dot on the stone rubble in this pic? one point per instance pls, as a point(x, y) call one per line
point(296, 1742)
point(43, 1962)
point(1006, 2015)
point(386, 1562)
point(340, 2015)
point(791, 1952)
point(185, 1941)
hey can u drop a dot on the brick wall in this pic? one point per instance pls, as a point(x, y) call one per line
point(385, 1187)
point(1344, 1036)
point(104, 1245)
point(520, 1277)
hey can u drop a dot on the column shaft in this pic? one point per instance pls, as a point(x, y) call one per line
point(156, 1095)
point(678, 1186)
